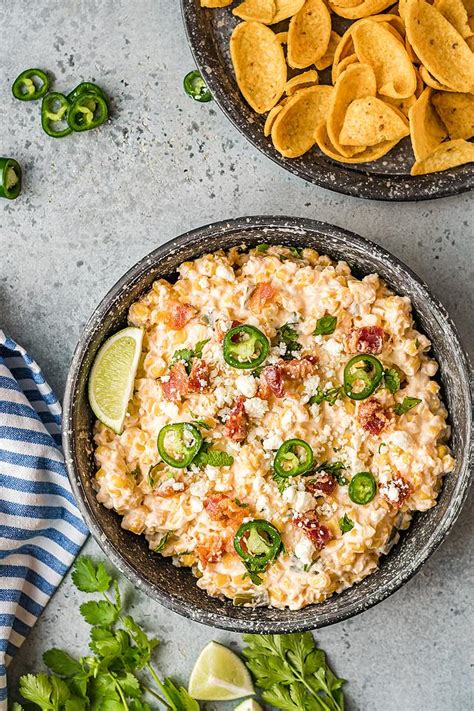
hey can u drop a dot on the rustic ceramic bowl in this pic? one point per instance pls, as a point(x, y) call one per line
point(176, 587)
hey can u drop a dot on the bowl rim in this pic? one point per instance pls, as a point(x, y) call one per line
point(354, 181)
point(293, 225)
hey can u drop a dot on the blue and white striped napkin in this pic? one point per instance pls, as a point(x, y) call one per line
point(41, 531)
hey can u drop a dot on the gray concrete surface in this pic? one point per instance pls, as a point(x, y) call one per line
point(93, 204)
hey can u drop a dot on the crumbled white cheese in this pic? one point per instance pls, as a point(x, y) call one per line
point(304, 550)
point(273, 441)
point(390, 491)
point(289, 494)
point(255, 407)
point(247, 385)
point(333, 347)
point(304, 502)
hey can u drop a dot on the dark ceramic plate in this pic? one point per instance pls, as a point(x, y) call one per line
point(389, 178)
point(176, 587)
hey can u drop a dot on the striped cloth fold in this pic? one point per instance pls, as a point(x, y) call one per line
point(41, 531)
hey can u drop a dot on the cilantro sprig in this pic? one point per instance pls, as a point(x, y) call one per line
point(289, 336)
point(107, 677)
point(325, 325)
point(407, 404)
point(293, 673)
point(330, 395)
point(187, 355)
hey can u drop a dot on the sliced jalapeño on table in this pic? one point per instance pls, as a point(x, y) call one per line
point(10, 178)
point(258, 543)
point(196, 87)
point(362, 488)
point(294, 457)
point(32, 84)
point(89, 110)
point(179, 443)
point(362, 375)
point(54, 110)
point(245, 347)
point(85, 87)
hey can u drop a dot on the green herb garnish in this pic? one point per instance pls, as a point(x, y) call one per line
point(391, 379)
point(293, 673)
point(106, 677)
point(262, 247)
point(408, 403)
point(325, 326)
point(330, 396)
point(289, 336)
point(187, 355)
point(346, 524)
point(333, 468)
point(212, 457)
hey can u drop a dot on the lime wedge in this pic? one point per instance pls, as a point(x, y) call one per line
point(219, 675)
point(248, 705)
point(112, 376)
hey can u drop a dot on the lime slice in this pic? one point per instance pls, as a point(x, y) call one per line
point(112, 376)
point(248, 705)
point(219, 675)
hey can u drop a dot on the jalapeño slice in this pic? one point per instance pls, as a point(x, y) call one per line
point(294, 457)
point(85, 87)
point(88, 111)
point(179, 443)
point(10, 178)
point(54, 115)
point(362, 374)
point(195, 87)
point(245, 347)
point(32, 84)
point(258, 543)
point(362, 488)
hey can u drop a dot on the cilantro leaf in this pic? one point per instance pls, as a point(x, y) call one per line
point(178, 698)
point(262, 247)
point(37, 688)
point(325, 326)
point(17, 707)
point(289, 336)
point(407, 404)
point(334, 468)
point(61, 663)
point(187, 355)
point(213, 458)
point(346, 524)
point(99, 612)
point(330, 396)
point(391, 380)
point(90, 578)
point(293, 673)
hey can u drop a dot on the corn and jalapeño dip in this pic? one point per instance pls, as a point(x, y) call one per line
point(284, 425)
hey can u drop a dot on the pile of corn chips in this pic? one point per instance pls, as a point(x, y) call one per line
point(406, 72)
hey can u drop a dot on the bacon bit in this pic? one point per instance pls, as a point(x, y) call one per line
point(199, 376)
point(373, 417)
point(177, 384)
point(368, 339)
point(223, 509)
point(236, 426)
point(166, 490)
point(324, 484)
point(271, 381)
point(208, 553)
point(179, 315)
point(318, 534)
point(299, 368)
point(263, 294)
point(396, 491)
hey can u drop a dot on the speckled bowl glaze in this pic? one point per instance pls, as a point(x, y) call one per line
point(389, 178)
point(176, 587)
